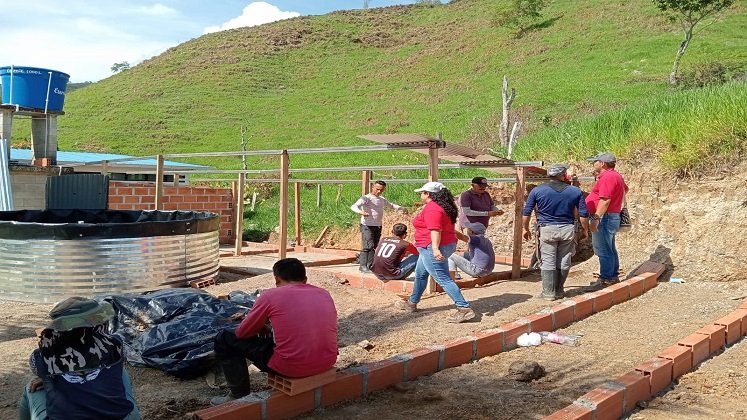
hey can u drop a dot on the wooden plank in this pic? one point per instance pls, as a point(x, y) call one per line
point(320, 237)
point(365, 182)
point(239, 204)
point(159, 183)
point(297, 211)
point(284, 166)
point(518, 206)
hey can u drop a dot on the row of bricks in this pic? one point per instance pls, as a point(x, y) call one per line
point(615, 398)
point(218, 208)
point(121, 188)
point(206, 200)
point(362, 380)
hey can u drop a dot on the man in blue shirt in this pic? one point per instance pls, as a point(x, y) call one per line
point(557, 205)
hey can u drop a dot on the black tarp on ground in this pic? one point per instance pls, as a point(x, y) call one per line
point(173, 329)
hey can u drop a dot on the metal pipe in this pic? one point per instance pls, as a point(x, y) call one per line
point(46, 101)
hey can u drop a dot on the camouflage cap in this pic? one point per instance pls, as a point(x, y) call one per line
point(77, 312)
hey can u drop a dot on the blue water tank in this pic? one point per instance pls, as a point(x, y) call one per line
point(31, 87)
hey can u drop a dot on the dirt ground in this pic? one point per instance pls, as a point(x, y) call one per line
point(695, 227)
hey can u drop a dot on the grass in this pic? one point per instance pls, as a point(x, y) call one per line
point(591, 76)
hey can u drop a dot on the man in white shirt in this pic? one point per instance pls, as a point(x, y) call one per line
point(371, 208)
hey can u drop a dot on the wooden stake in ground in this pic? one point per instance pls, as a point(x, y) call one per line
point(239, 199)
point(518, 206)
point(297, 211)
point(284, 167)
point(159, 183)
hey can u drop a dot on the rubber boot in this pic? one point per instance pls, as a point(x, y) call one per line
point(548, 284)
point(363, 262)
point(237, 376)
point(562, 277)
point(371, 256)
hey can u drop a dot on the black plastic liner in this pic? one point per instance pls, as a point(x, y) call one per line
point(173, 329)
point(103, 224)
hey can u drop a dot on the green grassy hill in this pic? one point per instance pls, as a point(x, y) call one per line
point(590, 77)
point(322, 80)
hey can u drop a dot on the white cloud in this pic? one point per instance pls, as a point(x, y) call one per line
point(157, 9)
point(254, 14)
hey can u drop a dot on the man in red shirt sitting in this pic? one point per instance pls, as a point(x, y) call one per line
point(291, 330)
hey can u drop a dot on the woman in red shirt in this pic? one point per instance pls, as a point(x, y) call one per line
point(436, 240)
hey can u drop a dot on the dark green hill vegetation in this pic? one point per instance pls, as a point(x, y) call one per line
point(590, 76)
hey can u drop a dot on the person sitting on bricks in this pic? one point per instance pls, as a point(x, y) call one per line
point(79, 367)
point(395, 258)
point(556, 203)
point(479, 259)
point(300, 340)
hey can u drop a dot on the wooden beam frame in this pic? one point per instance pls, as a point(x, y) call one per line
point(283, 240)
point(239, 199)
point(158, 205)
point(297, 211)
point(518, 206)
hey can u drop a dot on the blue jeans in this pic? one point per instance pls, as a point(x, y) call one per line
point(603, 241)
point(439, 270)
point(33, 405)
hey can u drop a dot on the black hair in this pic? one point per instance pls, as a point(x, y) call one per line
point(610, 164)
point(289, 269)
point(399, 229)
point(380, 182)
point(446, 200)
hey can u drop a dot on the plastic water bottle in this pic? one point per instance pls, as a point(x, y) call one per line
point(566, 340)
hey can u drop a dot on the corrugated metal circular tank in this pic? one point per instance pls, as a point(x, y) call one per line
point(49, 255)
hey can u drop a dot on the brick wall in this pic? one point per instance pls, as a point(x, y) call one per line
point(141, 196)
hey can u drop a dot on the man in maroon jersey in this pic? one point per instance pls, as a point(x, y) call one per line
point(390, 260)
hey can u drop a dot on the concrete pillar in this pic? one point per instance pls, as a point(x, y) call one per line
point(44, 140)
point(6, 127)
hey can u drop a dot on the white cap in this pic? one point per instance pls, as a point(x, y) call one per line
point(431, 187)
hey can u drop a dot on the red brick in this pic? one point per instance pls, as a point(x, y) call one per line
point(602, 300)
point(346, 386)
point(743, 314)
point(584, 306)
point(394, 286)
point(232, 410)
point(422, 361)
point(681, 357)
point(636, 286)
point(384, 373)
point(620, 293)
point(733, 325)
point(717, 335)
point(458, 351)
point(281, 406)
point(572, 412)
point(540, 322)
point(354, 280)
point(489, 342)
point(637, 388)
point(606, 401)
point(130, 199)
point(371, 282)
point(649, 280)
point(659, 372)
point(700, 345)
point(743, 305)
point(563, 314)
point(512, 331)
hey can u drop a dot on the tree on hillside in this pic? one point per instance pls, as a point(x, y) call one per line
point(521, 15)
point(688, 13)
point(508, 100)
point(117, 67)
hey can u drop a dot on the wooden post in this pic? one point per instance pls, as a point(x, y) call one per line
point(365, 182)
point(318, 195)
point(105, 168)
point(297, 210)
point(283, 204)
point(176, 180)
point(432, 176)
point(433, 160)
point(159, 183)
point(239, 197)
point(518, 206)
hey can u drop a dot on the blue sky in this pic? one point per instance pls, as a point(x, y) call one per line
point(85, 37)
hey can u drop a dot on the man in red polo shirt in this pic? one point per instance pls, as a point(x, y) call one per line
point(300, 339)
point(604, 203)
